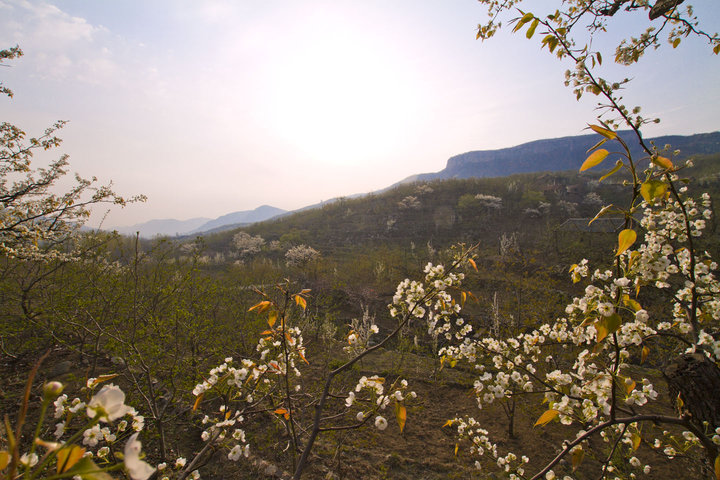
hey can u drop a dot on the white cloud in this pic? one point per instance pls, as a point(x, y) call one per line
point(56, 45)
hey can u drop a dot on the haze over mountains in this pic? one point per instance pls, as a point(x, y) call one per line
point(557, 154)
point(172, 227)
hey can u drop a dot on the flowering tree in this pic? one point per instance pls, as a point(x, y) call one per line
point(34, 219)
point(614, 326)
point(300, 256)
point(590, 379)
point(246, 244)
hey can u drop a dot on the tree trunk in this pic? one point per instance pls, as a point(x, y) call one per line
point(694, 383)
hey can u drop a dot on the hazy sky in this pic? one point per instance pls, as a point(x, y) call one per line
point(209, 107)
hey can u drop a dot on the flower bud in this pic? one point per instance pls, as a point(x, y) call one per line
point(52, 390)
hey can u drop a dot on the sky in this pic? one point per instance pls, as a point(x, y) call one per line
point(211, 107)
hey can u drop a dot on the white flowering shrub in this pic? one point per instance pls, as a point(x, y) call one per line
point(489, 201)
point(300, 256)
point(246, 244)
point(410, 202)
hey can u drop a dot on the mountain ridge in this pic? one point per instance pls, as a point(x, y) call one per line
point(555, 154)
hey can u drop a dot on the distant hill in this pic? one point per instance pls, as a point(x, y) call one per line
point(555, 154)
point(261, 213)
point(169, 227)
point(193, 226)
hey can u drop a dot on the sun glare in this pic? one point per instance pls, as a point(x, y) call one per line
point(342, 100)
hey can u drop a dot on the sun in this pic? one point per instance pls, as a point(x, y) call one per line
point(343, 100)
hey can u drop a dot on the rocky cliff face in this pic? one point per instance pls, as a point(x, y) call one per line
point(555, 154)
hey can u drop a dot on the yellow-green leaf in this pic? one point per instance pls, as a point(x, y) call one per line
point(634, 257)
point(400, 415)
point(272, 318)
point(602, 212)
point(68, 457)
point(644, 354)
point(629, 387)
point(597, 145)
point(601, 329)
point(716, 49)
point(531, 30)
point(448, 423)
point(472, 263)
point(633, 304)
point(546, 417)
point(525, 18)
point(299, 300)
point(594, 159)
point(636, 439)
point(457, 446)
point(618, 165)
point(4, 459)
point(663, 162)
point(609, 134)
point(552, 43)
point(577, 458)
point(717, 467)
point(676, 42)
point(88, 470)
point(607, 325)
point(613, 322)
point(625, 240)
point(599, 58)
point(652, 189)
point(260, 307)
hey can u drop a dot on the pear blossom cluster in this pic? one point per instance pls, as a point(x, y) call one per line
point(106, 406)
point(102, 426)
point(377, 399)
point(433, 301)
point(581, 364)
point(480, 444)
point(668, 262)
point(244, 383)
